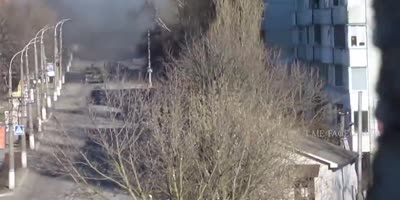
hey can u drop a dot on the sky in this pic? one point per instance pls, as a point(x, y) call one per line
point(109, 28)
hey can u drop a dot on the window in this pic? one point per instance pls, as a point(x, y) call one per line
point(315, 4)
point(317, 34)
point(364, 122)
point(339, 108)
point(305, 189)
point(309, 29)
point(338, 75)
point(324, 72)
point(353, 41)
point(336, 2)
point(357, 35)
point(340, 36)
point(303, 4)
point(359, 78)
point(303, 35)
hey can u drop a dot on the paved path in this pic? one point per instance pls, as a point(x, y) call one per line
point(70, 115)
point(41, 186)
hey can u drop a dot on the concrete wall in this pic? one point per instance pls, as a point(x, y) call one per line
point(340, 184)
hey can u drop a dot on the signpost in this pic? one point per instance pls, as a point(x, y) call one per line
point(14, 117)
point(50, 70)
point(19, 130)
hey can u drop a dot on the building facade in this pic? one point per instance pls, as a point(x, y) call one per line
point(335, 36)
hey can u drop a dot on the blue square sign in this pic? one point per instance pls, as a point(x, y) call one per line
point(19, 130)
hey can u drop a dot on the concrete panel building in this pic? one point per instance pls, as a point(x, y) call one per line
point(336, 36)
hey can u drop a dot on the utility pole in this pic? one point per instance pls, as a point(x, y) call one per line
point(44, 69)
point(30, 111)
point(56, 69)
point(38, 97)
point(24, 110)
point(11, 168)
point(43, 78)
point(344, 140)
point(359, 145)
point(58, 58)
point(61, 53)
point(149, 70)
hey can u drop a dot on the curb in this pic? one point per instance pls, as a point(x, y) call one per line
point(7, 194)
point(40, 136)
point(22, 180)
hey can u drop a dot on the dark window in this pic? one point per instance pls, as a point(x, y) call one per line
point(353, 41)
point(305, 189)
point(340, 36)
point(324, 72)
point(338, 75)
point(317, 34)
point(315, 4)
point(300, 35)
point(364, 124)
point(335, 2)
point(339, 109)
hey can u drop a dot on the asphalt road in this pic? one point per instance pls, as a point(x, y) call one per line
point(69, 116)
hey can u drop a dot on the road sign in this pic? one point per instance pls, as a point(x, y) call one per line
point(50, 70)
point(19, 130)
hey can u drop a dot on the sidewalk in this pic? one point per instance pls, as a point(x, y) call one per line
point(20, 174)
point(44, 182)
point(39, 183)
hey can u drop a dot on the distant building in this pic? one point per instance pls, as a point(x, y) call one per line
point(323, 171)
point(336, 36)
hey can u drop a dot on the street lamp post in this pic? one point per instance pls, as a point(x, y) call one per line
point(30, 110)
point(149, 69)
point(55, 80)
point(44, 75)
point(61, 53)
point(27, 111)
point(38, 89)
point(45, 86)
point(11, 170)
point(58, 58)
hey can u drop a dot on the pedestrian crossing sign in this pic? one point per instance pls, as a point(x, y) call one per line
point(19, 130)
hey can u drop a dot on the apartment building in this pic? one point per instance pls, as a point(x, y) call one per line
point(336, 36)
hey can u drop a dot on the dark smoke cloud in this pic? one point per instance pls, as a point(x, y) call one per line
point(109, 29)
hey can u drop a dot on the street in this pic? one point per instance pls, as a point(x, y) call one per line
point(69, 116)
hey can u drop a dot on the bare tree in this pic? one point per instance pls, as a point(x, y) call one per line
point(219, 127)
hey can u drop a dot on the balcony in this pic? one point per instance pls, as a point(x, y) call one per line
point(350, 57)
point(294, 20)
point(317, 54)
point(339, 15)
point(295, 36)
point(322, 16)
point(304, 17)
point(326, 55)
point(301, 52)
point(309, 53)
point(305, 53)
point(323, 54)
